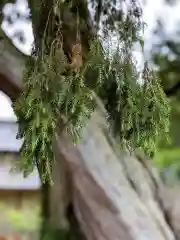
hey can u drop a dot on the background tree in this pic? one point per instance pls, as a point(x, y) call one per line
point(165, 57)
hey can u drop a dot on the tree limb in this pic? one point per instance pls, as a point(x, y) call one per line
point(172, 91)
point(12, 63)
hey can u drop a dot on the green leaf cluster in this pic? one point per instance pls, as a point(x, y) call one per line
point(53, 101)
point(138, 112)
point(50, 98)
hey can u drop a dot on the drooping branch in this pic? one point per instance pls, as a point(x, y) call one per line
point(47, 18)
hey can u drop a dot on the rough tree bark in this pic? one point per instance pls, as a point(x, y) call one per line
point(114, 195)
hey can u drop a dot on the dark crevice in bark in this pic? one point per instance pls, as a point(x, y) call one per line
point(45, 208)
point(113, 144)
point(133, 185)
point(130, 180)
point(75, 232)
point(45, 204)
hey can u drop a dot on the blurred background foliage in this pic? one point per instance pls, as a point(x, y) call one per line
point(27, 220)
point(165, 57)
point(20, 221)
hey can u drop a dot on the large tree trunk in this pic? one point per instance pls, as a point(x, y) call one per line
point(115, 195)
point(111, 194)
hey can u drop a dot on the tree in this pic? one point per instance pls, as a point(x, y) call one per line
point(59, 97)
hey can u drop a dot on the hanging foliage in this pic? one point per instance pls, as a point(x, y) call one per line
point(138, 113)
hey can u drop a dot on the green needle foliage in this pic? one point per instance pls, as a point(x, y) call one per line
point(138, 113)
